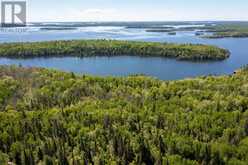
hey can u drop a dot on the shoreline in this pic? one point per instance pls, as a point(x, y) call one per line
point(86, 48)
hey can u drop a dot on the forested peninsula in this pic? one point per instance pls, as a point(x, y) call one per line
point(53, 117)
point(82, 48)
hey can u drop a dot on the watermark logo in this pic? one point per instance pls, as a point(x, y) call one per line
point(13, 13)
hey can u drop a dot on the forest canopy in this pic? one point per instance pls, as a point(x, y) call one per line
point(83, 48)
point(53, 117)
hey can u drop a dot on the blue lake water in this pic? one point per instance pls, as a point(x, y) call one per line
point(162, 68)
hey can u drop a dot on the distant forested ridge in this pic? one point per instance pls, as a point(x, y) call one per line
point(83, 48)
point(52, 117)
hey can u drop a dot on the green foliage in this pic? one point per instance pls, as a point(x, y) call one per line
point(52, 117)
point(228, 29)
point(83, 48)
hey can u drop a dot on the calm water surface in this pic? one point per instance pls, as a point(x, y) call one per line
point(162, 68)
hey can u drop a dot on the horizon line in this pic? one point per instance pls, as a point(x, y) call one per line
point(115, 21)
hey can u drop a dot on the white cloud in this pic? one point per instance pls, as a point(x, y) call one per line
point(76, 15)
point(99, 11)
point(96, 14)
point(102, 14)
point(111, 14)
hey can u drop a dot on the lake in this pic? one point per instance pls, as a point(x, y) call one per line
point(162, 68)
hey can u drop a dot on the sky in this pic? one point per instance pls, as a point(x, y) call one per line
point(136, 10)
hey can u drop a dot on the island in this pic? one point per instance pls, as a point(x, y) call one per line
point(172, 33)
point(231, 34)
point(160, 30)
point(228, 30)
point(212, 30)
point(53, 117)
point(82, 48)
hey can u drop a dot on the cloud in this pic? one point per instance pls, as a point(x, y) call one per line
point(122, 15)
point(112, 14)
point(96, 14)
point(103, 14)
point(91, 14)
point(99, 11)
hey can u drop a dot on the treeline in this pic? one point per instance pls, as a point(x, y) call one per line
point(231, 34)
point(84, 48)
point(52, 117)
point(228, 30)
